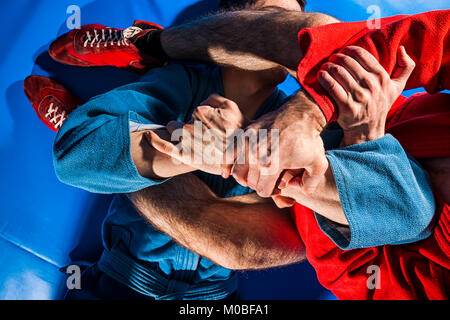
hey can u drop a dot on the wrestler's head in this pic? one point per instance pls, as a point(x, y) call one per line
point(294, 5)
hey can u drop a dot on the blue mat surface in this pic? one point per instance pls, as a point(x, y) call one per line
point(45, 225)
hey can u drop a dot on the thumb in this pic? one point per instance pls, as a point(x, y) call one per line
point(217, 101)
point(283, 202)
point(405, 66)
point(311, 177)
point(161, 145)
point(287, 177)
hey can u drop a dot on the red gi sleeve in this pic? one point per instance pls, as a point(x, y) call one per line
point(419, 270)
point(425, 37)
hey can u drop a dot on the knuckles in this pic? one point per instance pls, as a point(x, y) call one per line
point(334, 68)
point(342, 59)
point(355, 51)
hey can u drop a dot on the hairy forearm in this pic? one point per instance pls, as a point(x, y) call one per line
point(247, 39)
point(237, 233)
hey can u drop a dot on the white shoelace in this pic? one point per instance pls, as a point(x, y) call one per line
point(130, 32)
point(107, 37)
point(56, 117)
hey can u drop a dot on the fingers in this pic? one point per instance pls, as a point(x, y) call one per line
point(350, 64)
point(266, 185)
point(252, 158)
point(161, 145)
point(405, 67)
point(241, 167)
point(283, 202)
point(180, 132)
point(341, 75)
point(364, 58)
point(236, 158)
point(262, 176)
point(334, 88)
point(217, 101)
point(253, 177)
point(287, 176)
point(232, 151)
point(240, 173)
point(312, 177)
point(219, 112)
point(349, 73)
point(206, 115)
point(226, 171)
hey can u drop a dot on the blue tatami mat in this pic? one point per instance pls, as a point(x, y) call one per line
point(44, 224)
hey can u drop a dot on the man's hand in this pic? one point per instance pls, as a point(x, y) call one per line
point(363, 91)
point(149, 162)
point(288, 138)
point(221, 115)
point(205, 138)
point(296, 144)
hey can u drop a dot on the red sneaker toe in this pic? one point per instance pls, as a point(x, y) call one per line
point(51, 101)
point(61, 50)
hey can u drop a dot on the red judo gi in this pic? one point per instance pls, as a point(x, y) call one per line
point(421, 123)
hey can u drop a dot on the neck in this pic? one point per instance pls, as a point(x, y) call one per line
point(248, 89)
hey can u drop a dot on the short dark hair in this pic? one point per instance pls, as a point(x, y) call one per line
point(243, 4)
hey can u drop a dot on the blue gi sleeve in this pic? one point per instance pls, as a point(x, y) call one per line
point(92, 149)
point(385, 195)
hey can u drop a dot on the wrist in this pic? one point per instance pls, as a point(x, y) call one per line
point(360, 135)
point(317, 117)
point(302, 107)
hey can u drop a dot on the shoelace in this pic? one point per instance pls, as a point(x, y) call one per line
point(56, 117)
point(130, 32)
point(105, 36)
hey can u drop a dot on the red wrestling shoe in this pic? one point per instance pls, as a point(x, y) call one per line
point(98, 45)
point(51, 101)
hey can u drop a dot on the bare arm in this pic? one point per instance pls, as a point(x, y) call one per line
point(324, 200)
point(362, 115)
point(239, 233)
point(158, 163)
point(246, 39)
point(151, 163)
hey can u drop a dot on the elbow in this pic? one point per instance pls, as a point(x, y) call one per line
point(263, 253)
point(320, 19)
point(65, 172)
point(421, 215)
point(240, 254)
point(424, 204)
point(68, 169)
point(240, 262)
point(242, 258)
point(424, 222)
point(418, 206)
point(60, 169)
point(61, 155)
point(65, 162)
